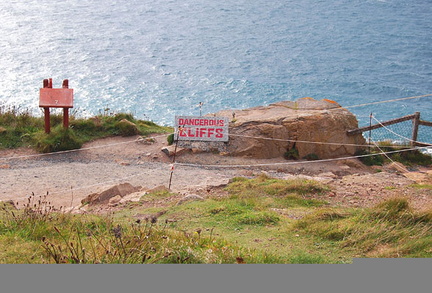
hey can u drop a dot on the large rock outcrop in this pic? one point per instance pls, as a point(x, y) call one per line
point(314, 128)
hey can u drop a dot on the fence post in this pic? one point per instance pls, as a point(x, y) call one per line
point(46, 84)
point(370, 130)
point(47, 120)
point(415, 122)
point(65, 85)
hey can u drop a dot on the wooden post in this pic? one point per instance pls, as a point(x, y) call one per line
point(47, 120)
point(65, 85)
point(379, 125)
point(46, 84)
point(370, 130)
point(416, 121)
point(65, 117)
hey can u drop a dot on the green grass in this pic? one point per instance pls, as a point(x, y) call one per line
point(279, 218)
point(260, 220)
point(422, 186)
point(36, 235)
point(408, 158)
point(19, 128)
point(250, 216)
point(229, 229)
point(390, 229)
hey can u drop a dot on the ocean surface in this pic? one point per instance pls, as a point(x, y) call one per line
point(158, 59)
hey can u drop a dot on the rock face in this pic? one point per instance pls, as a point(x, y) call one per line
point(171, 149)
point(302, 125)
point(104, 197)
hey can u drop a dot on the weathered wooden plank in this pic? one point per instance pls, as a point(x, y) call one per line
point(386, 123)
point(421, 144)
point(416, 120)
point(425, 123)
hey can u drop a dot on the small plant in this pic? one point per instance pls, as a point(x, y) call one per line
point(311, 157)
point(392, 208)
point(422, 186)
point(302, 257)
point(413, 157)
point(170, 139)
point(87, 126)
point(409, 158)
point(291, 154)
point(370, 159)
point(261, 219)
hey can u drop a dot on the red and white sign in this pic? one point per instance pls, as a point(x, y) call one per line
point(201, 128)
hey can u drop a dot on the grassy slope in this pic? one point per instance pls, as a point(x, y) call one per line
point(259, 220)
point(262, 220)
point(22, 129)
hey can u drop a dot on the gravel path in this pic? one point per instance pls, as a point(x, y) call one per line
point(70, 177)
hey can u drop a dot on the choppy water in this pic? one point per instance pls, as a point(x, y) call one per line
point(158, 59)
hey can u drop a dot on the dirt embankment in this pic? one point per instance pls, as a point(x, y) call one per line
point(69, 177)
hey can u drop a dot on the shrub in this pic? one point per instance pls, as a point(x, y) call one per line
point(302, 257)
point(124, 116)
point(59, 139)
point(311, 157)
point(414, 157)
point(370, 160)
point(126, 128)
point(262, 218)
point(56, 119)
point(170, 139)
point(392, 209)
point(238, 179)
point(291, 154)
point(83, 125)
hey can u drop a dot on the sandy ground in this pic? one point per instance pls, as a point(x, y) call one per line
point(67, 178)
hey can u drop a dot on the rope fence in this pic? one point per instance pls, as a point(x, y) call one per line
point(389, 101)
point(173, 166)
point(231, 135)
point(297, 162)
point(263, 138)
point(80, 149)
point(400, 131)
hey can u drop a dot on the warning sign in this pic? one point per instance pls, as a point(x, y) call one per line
point(56, 98)
point(201, 128)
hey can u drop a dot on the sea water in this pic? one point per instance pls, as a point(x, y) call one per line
point(158, 59)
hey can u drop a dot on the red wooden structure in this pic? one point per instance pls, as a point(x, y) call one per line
point(55, 98)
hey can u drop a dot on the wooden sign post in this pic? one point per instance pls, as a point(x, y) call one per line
point(55, 98)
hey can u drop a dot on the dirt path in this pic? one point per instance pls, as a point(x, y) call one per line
point(69, 177)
